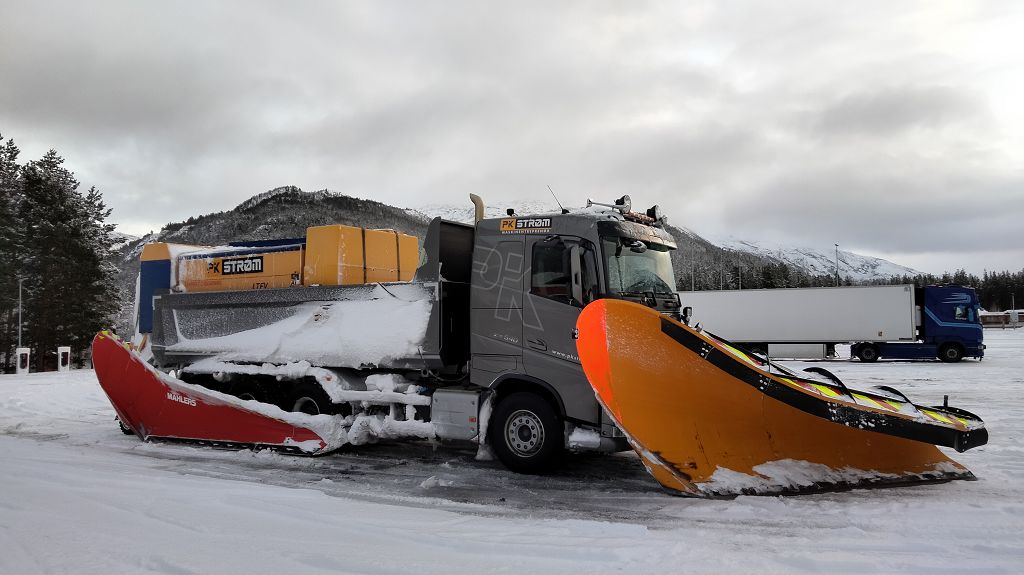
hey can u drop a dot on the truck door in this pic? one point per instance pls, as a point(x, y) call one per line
point(550, 311)
point(496, 307)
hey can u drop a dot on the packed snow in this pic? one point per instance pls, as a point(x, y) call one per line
point(78, 496)
point(390, 327)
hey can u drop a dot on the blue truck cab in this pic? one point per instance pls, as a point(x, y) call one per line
point(949, 328)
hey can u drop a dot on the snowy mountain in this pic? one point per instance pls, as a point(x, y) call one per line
point(121, 240)
point(819, 261)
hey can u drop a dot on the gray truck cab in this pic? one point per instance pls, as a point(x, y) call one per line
point(530, 277)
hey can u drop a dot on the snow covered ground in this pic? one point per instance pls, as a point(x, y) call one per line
point(77, 496)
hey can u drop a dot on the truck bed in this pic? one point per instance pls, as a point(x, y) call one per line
point(382, 325)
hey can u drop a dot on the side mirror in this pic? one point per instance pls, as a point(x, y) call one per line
point(576, 274)
point(687, 314)
point(637, 247)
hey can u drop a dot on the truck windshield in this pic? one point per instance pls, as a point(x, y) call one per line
point(636, 266)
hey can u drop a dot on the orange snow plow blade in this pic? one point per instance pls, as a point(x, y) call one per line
point(709, 419)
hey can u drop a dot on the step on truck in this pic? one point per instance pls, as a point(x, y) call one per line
point(893, 322)
point(527, 335)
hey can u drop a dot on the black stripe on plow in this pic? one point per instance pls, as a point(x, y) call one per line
point(821, 407)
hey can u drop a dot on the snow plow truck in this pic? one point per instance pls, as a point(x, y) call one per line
point(528, 335)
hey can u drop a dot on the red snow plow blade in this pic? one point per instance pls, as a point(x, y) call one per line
point(156, 406)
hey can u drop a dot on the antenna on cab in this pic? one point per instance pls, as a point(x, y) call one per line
point(564, 211)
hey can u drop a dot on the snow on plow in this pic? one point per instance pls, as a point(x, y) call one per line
point(156, 406)
point(709, 419)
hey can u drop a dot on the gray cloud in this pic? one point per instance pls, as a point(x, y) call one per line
point(868, 124)
point(890, 111)
point(893, 207)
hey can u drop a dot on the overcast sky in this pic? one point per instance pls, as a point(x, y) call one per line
point(893, 128)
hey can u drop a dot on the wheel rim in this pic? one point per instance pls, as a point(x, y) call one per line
point(306, 405)
point(868, 354)
point(524, 433)
point(952, 353)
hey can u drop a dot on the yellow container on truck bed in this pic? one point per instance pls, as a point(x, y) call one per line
point(245, 269)
point(334, 256)
point(390, 256)
point(347, 255)
point(328, 256)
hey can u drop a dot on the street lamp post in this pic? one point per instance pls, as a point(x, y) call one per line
point(837, 264)
point(20, 281)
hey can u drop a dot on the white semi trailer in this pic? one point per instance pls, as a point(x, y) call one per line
point(899, 321)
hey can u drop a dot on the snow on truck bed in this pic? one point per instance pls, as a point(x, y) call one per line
point(77, 496)
point(337, 334)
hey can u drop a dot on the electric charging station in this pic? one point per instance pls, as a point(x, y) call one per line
point(64, 358)
point(22, 355)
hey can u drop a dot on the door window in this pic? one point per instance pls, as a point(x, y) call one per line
point(551, 270)
point(551, 276)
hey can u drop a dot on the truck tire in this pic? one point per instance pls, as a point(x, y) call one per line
point(951, 352)
point(526, 433)
point(250, 391)
point(868, 352)
point(309, 398)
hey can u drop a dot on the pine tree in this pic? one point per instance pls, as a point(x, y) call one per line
point(70, 289)
point(10, 194)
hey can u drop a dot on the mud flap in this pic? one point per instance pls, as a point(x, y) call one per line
point(708, 419)
point(156, 406)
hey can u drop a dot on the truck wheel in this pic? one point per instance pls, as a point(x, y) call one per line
point(526, 433)
point(868, 353)
point(951, 352)
point(249, 391)
point(311, 399)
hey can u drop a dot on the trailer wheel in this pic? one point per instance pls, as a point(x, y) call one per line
point(124, 428)
point(311, 399)
point(526, 433)
point(868, 352)
point(951, 352)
